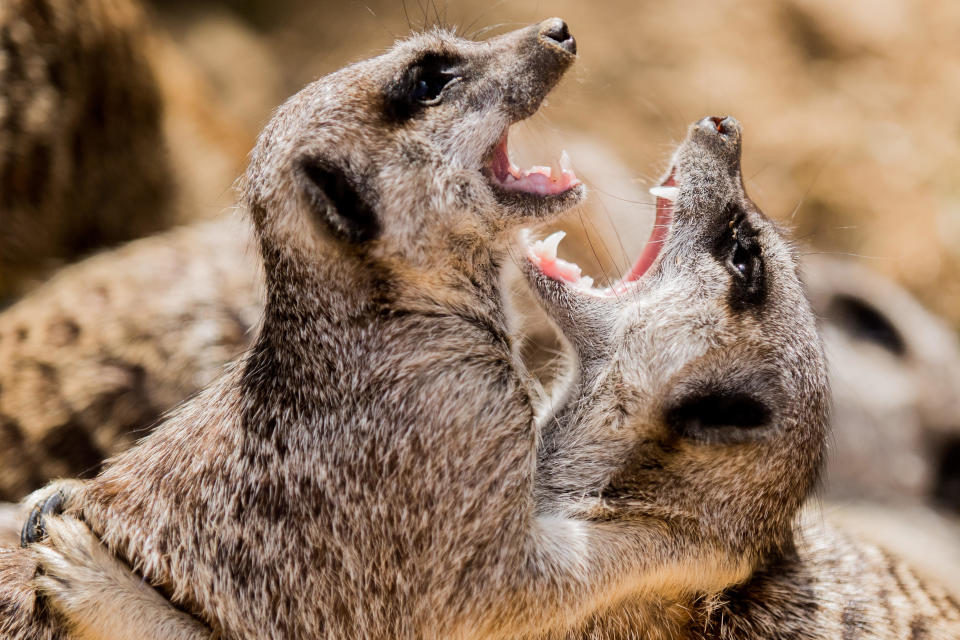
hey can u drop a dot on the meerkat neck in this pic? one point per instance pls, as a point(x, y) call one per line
point(335, 299)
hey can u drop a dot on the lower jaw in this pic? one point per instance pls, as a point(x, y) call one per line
point(534, 204)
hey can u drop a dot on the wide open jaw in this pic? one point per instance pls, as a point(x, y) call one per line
point(543, 253)
point(539, 188)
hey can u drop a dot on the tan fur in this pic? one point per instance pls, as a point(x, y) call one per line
point(251, 506)
point(746, 569)
point(80, 576)
point(21, 599)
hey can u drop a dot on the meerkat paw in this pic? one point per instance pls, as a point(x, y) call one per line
point(100, 596)
point(50, 500)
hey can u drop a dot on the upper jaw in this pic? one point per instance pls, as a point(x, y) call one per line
point(540, 54)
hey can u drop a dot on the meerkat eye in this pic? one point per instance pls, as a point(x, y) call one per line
point(741, 260)
point(737, 246)
point(430, 86)
point(421, 85)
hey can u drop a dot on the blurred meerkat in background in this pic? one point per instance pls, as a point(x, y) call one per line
point(83, 159)
point(106, 134)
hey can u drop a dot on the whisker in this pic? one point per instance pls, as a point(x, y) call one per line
point(813, 182)
point(403, 3)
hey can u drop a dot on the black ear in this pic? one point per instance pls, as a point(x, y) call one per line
point(863, 321)
point(337, 203)
point(719, 416)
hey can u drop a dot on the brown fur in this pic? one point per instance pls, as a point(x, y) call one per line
point(82, 154)
point(691, 329)
point(22, 612)
point(731, 506)
point(316, 490)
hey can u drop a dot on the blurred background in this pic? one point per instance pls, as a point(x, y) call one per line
point(119, 120)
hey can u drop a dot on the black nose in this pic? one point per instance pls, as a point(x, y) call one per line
point(555, 30)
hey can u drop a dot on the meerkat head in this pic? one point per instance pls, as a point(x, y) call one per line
point(702, 397)
point(406, 153)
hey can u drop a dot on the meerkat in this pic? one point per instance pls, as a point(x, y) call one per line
point(704, 367)
point(82, 151)
point(706, 419)
point(895, 375)
point(340, 480)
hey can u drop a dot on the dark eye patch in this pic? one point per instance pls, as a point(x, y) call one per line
point(421, 85)
point(861, 320)
point(718, 416)
point(737, 247)
point(946, 488)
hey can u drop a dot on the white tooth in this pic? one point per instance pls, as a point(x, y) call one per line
point(548, 246)
point(667, 193)
point(585, 282)
point(565, 163)
point(546, 171)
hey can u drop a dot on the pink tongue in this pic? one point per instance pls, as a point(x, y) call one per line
point(541, 184)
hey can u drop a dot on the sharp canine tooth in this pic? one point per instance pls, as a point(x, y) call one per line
point(586, 282)
point(667, 193)
point(565, 164)
point(549, 244)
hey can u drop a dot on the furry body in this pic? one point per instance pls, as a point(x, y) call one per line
point(627, 446)
point(95, 356)
point(317, 490)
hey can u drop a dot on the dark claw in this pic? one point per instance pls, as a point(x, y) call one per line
point(33, 530)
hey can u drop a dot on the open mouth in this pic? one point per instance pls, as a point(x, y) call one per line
point(543, 253)
point(542, 181)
